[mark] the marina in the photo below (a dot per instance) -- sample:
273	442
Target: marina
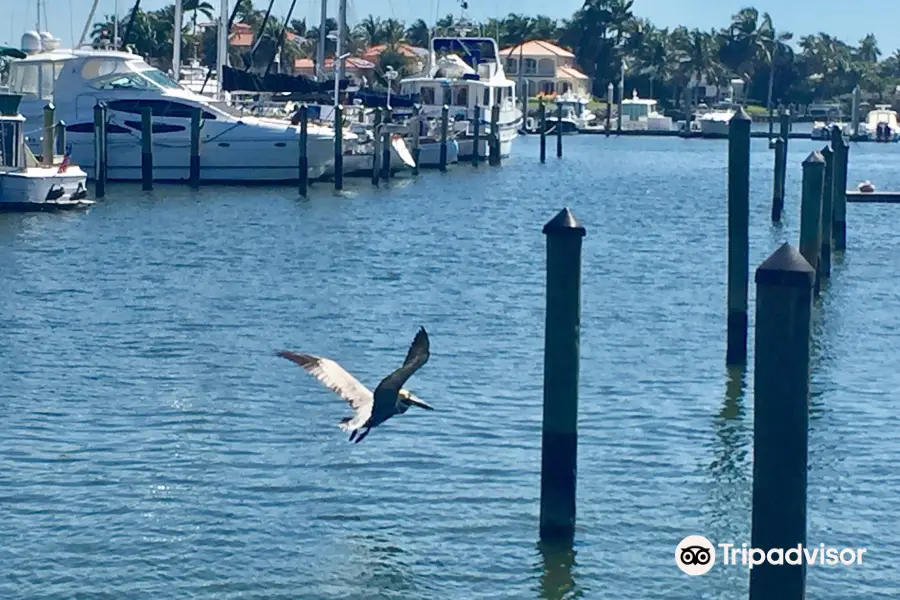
644	329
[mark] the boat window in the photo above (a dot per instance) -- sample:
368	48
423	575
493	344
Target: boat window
487	96
122	81
9	143
46	80
88	127
23	78
155	127
462	97
98	67
158	108
446	96
427	95
158	77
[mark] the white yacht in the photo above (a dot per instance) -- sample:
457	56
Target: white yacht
26	184
882	124
576	116
640	114
462	73
199	79
714	122
234	147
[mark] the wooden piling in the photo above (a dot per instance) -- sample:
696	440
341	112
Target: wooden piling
386	145
445	123
494	155
778	181
559	439
476	137
416	137
811	211
785	134
100	154
542	123
339	147
47	144
780	421
559	129
827	212
738	236
839	186
195	147
60	138
303	161
146	149
376	147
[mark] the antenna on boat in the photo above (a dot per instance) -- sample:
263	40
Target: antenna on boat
87	24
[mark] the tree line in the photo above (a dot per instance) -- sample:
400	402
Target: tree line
604	35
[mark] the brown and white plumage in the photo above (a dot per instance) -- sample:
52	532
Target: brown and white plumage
369	409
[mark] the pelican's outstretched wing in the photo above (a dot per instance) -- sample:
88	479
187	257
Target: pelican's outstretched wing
415	358
334	377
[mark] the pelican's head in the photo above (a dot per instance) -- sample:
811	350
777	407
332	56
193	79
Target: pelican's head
408	399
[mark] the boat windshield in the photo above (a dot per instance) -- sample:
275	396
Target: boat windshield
123	81
159	78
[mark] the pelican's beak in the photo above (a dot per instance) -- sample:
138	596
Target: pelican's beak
415	401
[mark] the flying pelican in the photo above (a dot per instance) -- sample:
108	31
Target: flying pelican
369	410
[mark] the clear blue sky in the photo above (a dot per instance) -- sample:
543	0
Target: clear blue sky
67	17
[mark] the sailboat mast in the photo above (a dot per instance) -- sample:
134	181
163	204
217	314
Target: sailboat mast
320	50
115	40
37	25
87	24
176	46
222	47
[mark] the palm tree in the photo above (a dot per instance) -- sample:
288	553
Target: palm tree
370	30
196	7
418	33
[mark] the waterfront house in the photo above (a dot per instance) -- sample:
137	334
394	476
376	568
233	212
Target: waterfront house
546	69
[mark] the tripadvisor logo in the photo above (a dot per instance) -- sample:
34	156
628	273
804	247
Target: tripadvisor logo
696	555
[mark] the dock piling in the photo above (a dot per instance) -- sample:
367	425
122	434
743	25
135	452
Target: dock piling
778	181
494	146
146	149
100	154
445	123
781	419
60	138
303	160
738	236
416	134
338	147
559	437
542	123
559	130
195	147
827	212
839	186
47	144
476	137
387	117
785	134
811	211
376	147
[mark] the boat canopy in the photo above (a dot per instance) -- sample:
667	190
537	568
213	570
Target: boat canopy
237	80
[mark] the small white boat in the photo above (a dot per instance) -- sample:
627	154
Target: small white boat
714	122
882	124
25	184
822	129
640	114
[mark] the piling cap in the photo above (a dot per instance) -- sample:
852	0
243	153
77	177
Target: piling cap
826	152
564	223
814	158
740	115
786	267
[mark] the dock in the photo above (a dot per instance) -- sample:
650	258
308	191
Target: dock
873	197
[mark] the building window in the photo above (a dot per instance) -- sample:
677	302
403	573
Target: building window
530	66
565	87
548	87
547	67
512	65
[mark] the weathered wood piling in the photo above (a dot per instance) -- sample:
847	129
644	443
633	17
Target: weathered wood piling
839	185
445	124
100	153
60	137
811	211
476	137
778	180
338	147
303	157
194	175
49	130
738	236
559	439
416	137
559	130
494	154
827	214
387	118
780	423
542	125
376	147
146	149
785	134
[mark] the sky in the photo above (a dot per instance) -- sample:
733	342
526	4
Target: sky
67	17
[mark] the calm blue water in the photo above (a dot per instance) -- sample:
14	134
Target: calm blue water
152	446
